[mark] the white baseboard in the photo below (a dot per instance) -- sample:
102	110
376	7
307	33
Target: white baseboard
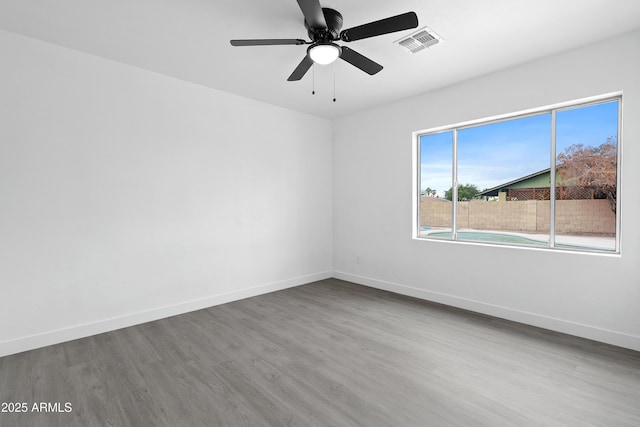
619	339
105	325
84	330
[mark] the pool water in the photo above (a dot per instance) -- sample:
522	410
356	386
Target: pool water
489	237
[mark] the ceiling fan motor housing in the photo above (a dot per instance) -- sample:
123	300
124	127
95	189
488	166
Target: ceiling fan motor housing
334	21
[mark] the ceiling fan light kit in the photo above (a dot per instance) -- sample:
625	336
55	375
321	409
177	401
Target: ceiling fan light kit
324	53
323	27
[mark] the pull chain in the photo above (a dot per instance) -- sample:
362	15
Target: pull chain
313	72
334	81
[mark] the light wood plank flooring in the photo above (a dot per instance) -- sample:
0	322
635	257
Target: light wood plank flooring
330	353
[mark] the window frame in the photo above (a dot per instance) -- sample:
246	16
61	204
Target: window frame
550	109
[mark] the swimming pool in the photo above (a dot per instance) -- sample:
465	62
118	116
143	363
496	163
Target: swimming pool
489	237
597	243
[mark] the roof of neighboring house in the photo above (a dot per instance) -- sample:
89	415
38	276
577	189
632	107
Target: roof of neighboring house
534	178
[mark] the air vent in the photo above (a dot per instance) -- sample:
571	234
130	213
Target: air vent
421	39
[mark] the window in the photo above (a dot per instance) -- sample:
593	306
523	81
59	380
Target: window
547	179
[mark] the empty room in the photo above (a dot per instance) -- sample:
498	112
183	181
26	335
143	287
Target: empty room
319	213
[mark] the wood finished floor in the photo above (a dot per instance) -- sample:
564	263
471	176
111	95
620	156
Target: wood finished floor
329	353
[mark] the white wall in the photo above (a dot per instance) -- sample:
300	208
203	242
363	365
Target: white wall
127	196
592	296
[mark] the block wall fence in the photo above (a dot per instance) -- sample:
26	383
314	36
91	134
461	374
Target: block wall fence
572	216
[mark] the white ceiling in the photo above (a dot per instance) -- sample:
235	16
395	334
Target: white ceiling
189	39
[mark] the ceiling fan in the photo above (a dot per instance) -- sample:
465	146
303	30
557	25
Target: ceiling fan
323	27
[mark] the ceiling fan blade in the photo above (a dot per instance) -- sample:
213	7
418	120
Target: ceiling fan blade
265	42
301	69
313	14
360	61
383	26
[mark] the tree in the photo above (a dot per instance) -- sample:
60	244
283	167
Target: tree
430	192
465	192
592	167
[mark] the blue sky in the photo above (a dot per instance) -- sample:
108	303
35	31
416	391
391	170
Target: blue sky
489	155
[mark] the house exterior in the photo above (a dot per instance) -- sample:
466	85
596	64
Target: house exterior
536	187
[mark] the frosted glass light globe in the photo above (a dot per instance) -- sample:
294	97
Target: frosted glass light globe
324	54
